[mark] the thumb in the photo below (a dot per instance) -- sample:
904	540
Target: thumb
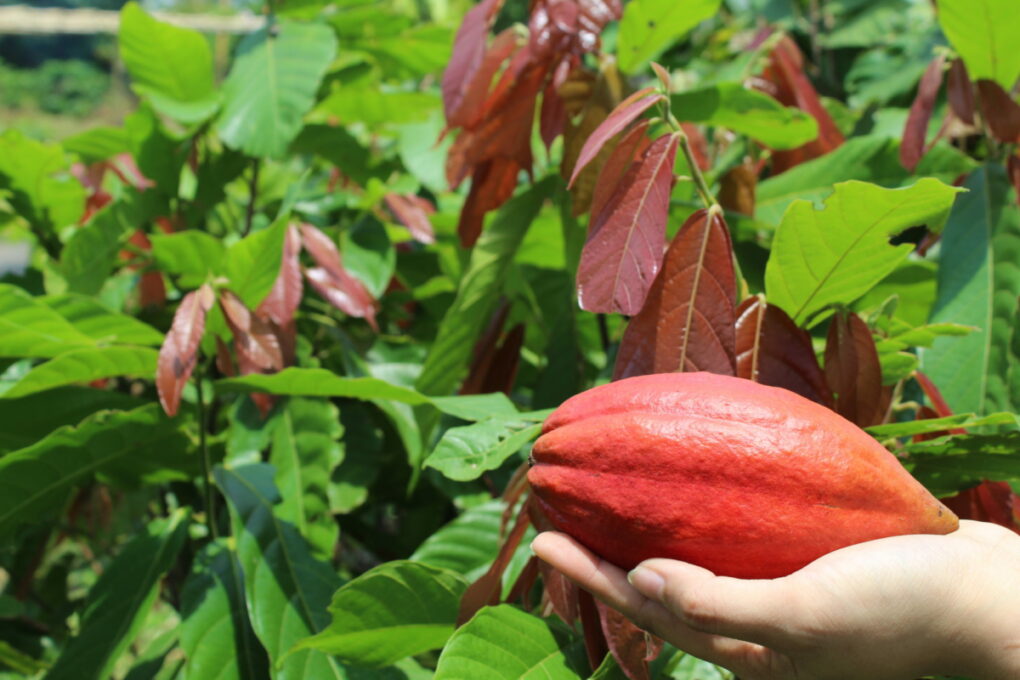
751	610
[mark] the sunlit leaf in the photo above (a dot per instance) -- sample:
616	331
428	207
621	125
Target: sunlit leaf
191	255
465	453
319	382
393	611
983	32
101	323
948	464
928	425
31	328
648	26
81	366
619	118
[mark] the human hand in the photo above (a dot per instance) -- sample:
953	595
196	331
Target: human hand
891	609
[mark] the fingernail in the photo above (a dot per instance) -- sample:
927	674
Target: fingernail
647	582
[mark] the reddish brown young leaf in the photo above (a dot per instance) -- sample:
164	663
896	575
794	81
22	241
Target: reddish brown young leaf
486	590
687	322
663	75
737	188
561	593
792	88
467	58
772	350
1000	111
591	624
151	288
471	107
622	116
344	292
988	502
631	146
492	185
960	92
553	115
1013	169
915	131
322	248
623	252
495	368
124	166
255	342
413	212
938	402
179	353
282	302
626	642
521	589
852	370
224	361
485	349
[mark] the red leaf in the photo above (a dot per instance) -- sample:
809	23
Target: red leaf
622	116
627	643
283	300
466	62
224	362
853	372
687	322
486	590
179	353
124	166
332	281
485	349
623	252
591	623
413	212
988	502
938	402
960	92
1001	113
663	76
793	88
1013	169
916	130
553	114
737	188
492	185
257	347
632	145
772	350
495	368
521	588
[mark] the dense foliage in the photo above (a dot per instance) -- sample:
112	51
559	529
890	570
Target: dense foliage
268	386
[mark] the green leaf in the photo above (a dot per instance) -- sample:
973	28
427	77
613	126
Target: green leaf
949	464
319	382
170	66
747	112
35	480
872	159
27	420
465	453
913	284
98	143
504	643
120	600
978	285
192	255
101	323
468	544
374	107
272	85
305	451
92	250
479	289
84	366
928	425
391	612
838	253
30	328
985	33
45	193
287	589
253	263
369	255
648	26
477	407
418	51
362	461
216	636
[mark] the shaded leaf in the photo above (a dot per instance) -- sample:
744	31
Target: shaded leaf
216	637
505	643
393	611
468	65
466	545
118	603
687	322
737	187
1001	112
82	366
648	26
487	589
42	189
978	286
623	115
836	254
913	146
91	252
192	255
627	643
988	502
949	464
179	353
852	371
286	587
26	420
960	92
272	84
772	350
746	112
623	252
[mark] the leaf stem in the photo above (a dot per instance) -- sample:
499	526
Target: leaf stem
210	499
699	179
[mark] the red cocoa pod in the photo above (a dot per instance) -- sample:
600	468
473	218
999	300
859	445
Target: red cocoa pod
740	478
